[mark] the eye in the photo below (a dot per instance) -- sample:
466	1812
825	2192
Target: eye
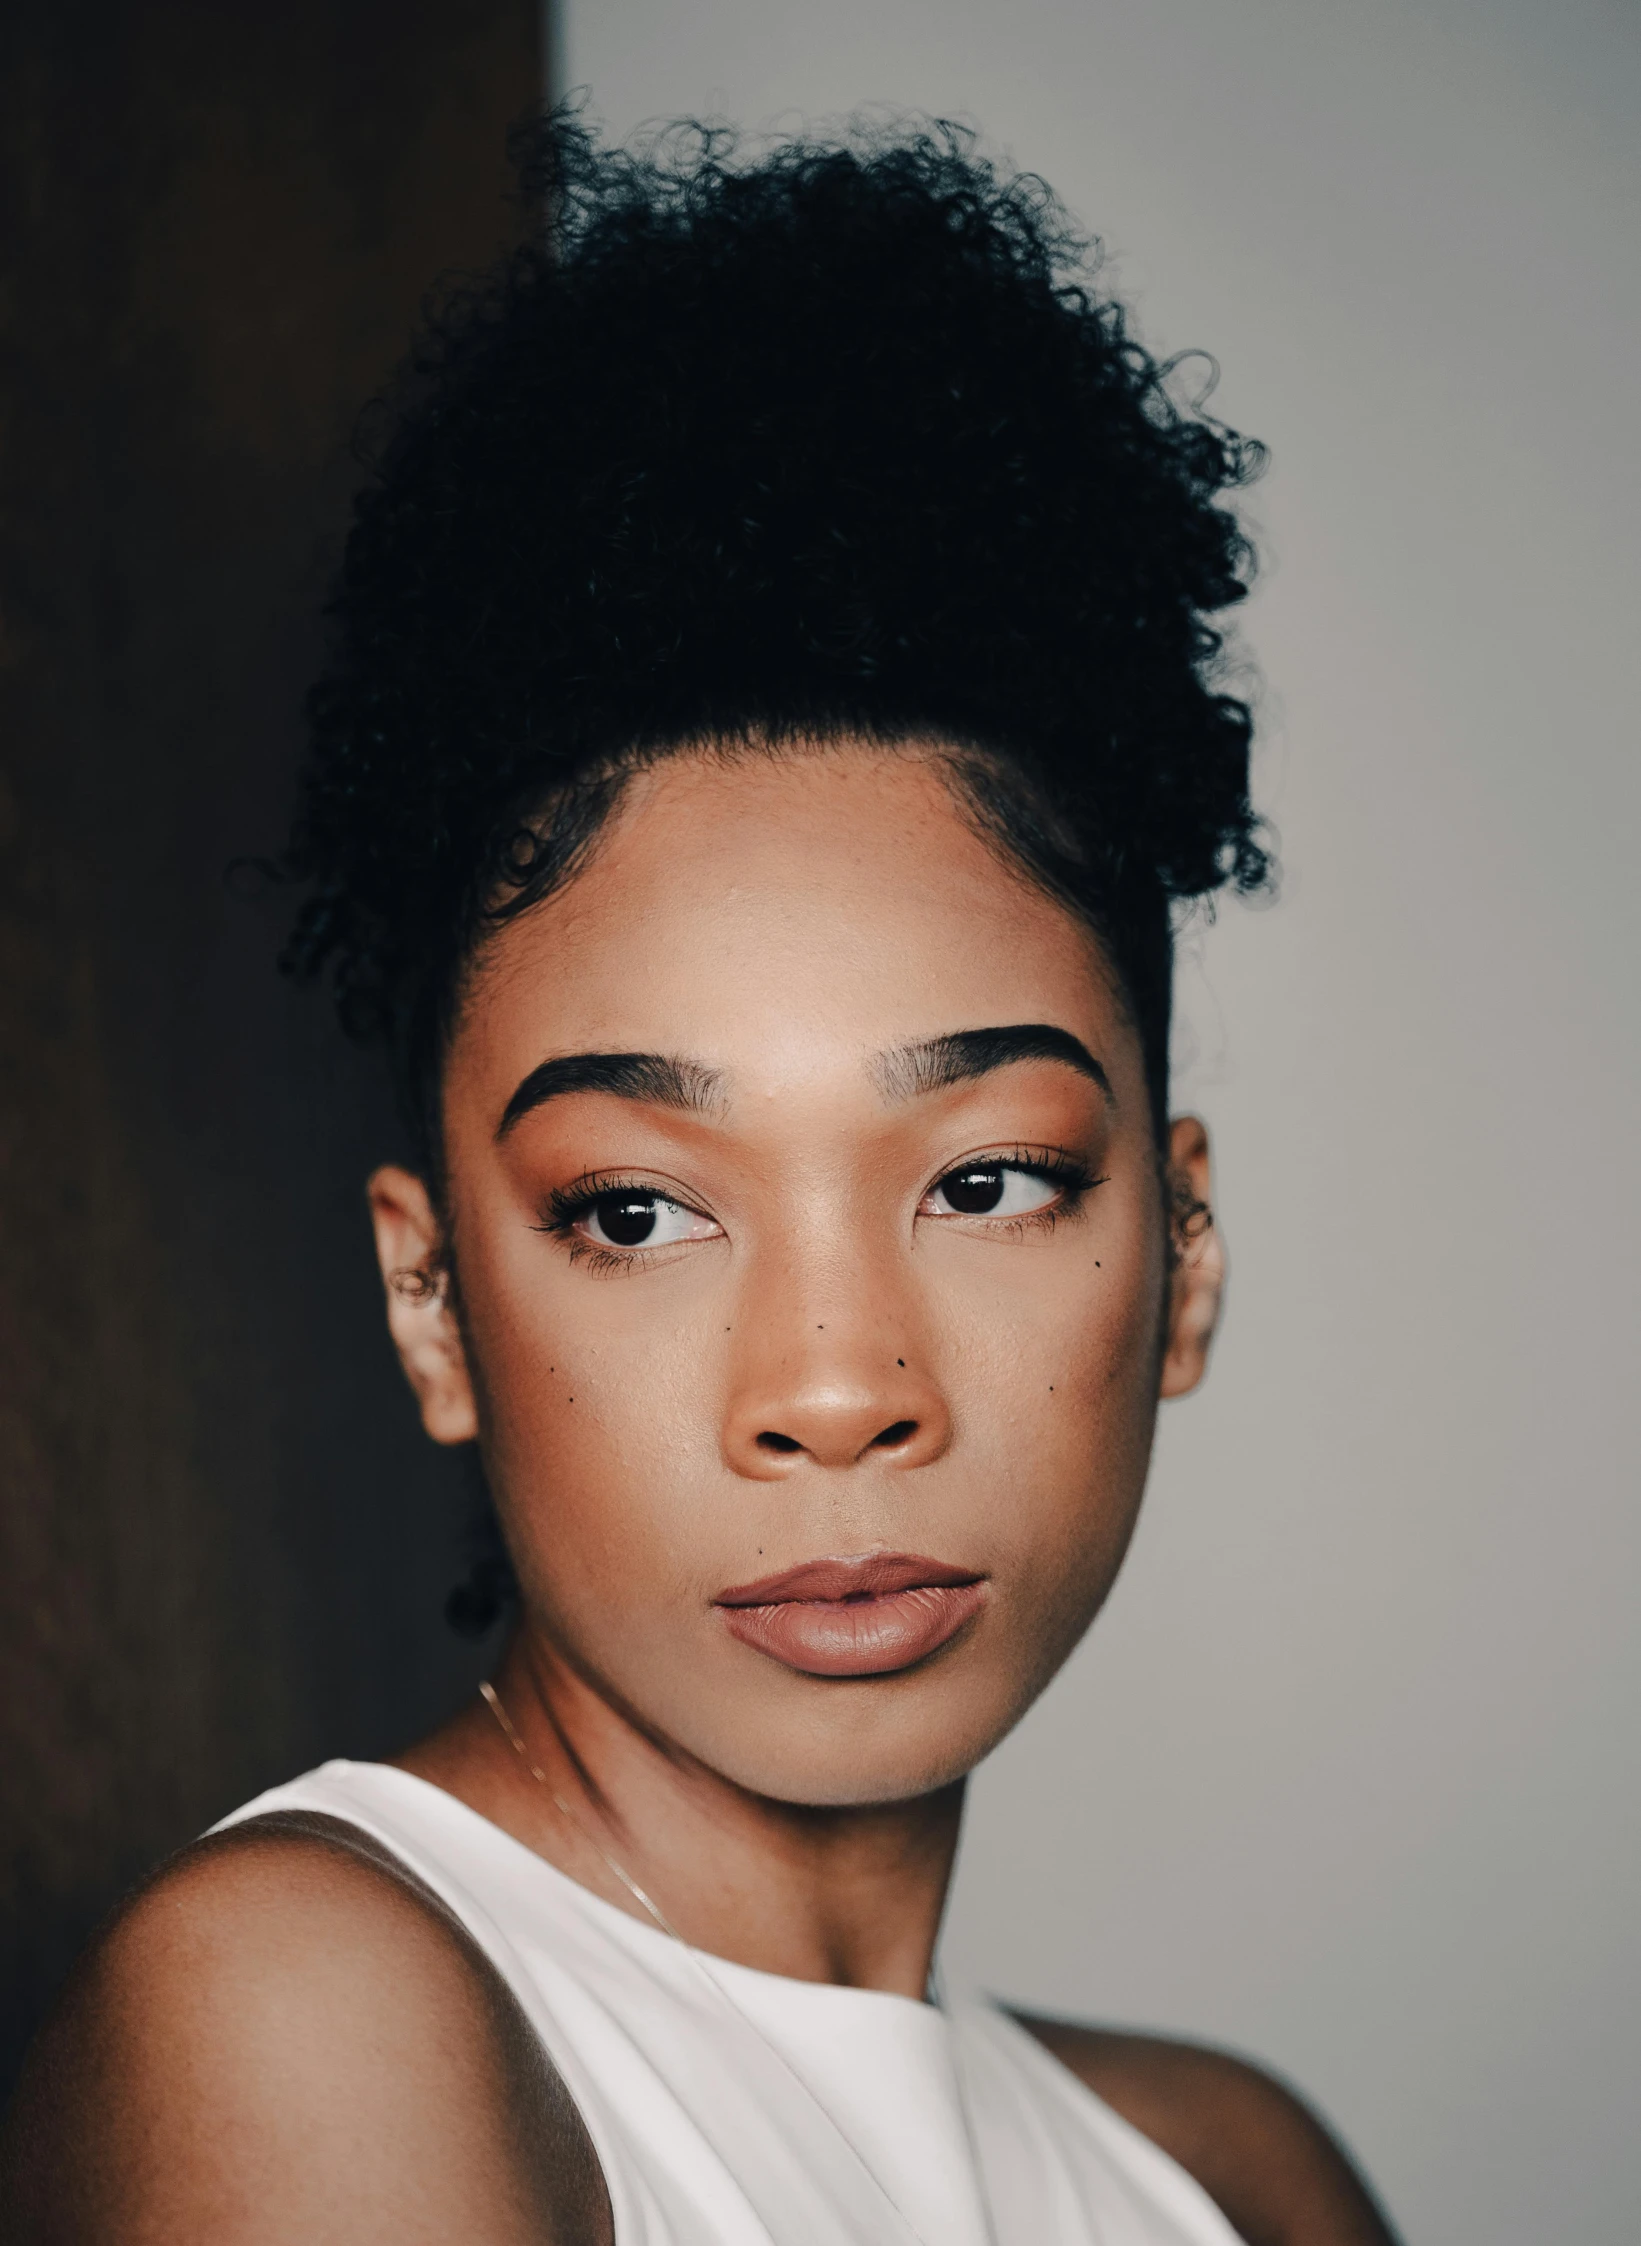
628	1217
993	1189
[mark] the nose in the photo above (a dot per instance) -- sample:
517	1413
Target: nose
830	1387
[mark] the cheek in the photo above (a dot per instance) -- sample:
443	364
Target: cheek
599	1432
1060	1406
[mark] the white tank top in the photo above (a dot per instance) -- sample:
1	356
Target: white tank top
730	2107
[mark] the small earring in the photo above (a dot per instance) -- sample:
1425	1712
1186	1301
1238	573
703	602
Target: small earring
1193	1218
413	1285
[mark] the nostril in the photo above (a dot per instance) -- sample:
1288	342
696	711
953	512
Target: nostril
902	1431
770	1441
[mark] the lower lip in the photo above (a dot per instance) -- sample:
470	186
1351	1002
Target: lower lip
863	1637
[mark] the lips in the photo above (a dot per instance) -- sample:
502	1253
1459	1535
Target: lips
861	1617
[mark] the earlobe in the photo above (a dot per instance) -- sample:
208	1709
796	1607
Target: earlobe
409	1247
1197	1280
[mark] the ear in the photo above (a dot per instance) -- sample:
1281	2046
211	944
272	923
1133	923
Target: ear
1197	1281
410	1249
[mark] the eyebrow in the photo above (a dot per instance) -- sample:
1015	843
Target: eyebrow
935	1063
662	1079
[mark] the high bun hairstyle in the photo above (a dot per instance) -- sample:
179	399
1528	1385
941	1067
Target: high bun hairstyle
760	447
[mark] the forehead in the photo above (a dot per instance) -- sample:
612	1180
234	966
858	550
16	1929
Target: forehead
773	914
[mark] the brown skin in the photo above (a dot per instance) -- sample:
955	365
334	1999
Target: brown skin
214	2071
825	1360
1258	2151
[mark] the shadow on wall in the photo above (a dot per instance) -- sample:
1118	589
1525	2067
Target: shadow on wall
224	1545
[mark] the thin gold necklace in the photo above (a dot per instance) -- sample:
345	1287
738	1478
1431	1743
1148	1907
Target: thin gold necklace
493	1701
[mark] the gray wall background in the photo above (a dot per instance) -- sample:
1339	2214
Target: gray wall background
1347	1774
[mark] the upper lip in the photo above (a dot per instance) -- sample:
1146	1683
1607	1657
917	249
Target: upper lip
861	1575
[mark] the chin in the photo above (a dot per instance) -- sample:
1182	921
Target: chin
864	1746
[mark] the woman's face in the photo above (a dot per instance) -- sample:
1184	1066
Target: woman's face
805	1211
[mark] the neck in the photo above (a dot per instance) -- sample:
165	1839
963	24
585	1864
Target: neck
847	1895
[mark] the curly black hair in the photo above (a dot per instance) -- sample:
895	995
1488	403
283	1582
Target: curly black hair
835	439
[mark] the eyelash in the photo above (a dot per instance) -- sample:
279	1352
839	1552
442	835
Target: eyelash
567	1205
1073	1177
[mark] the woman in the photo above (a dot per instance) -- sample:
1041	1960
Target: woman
772	719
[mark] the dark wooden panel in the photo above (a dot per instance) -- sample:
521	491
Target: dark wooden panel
223	1544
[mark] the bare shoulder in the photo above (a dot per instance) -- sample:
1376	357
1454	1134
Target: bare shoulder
1268	2163
284	2036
